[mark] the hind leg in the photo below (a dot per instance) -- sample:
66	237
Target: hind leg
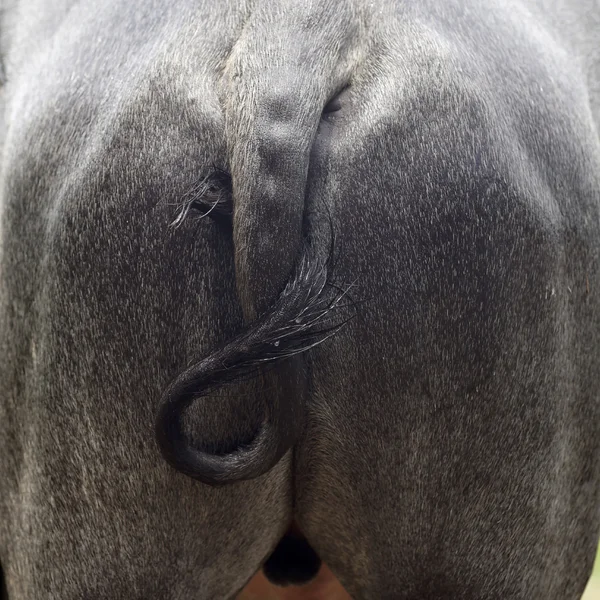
444	499
452	453
88	507
96	513
453	448
140	531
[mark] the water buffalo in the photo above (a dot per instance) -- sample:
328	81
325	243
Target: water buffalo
329	263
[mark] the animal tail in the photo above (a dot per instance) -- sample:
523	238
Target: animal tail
272	116
304	315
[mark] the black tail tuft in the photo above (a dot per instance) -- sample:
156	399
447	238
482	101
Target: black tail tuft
308	311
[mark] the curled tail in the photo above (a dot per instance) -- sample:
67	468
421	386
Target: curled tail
278	86
302	317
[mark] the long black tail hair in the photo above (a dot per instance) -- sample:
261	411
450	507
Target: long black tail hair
305	314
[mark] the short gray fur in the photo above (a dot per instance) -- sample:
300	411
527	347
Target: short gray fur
450	448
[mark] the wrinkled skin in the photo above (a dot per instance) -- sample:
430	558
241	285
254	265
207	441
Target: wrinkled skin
450	447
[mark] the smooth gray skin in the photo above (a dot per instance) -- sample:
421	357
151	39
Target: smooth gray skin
451	448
